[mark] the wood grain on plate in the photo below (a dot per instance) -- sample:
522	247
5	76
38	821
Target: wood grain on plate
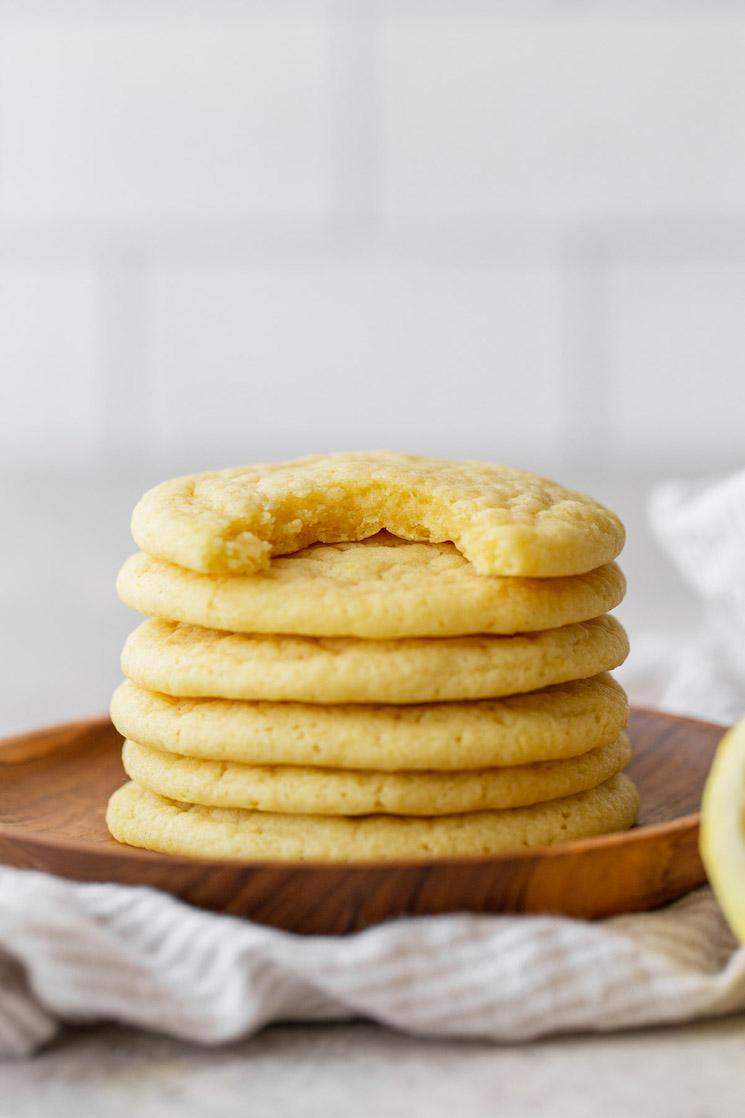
56	782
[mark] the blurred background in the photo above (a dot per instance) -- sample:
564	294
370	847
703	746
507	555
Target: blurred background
237	230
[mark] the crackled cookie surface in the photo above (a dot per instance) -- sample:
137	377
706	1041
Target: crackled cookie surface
380	587
189	661
557	722
143	818
505	521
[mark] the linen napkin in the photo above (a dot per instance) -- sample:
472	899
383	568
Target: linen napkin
82	953
701	526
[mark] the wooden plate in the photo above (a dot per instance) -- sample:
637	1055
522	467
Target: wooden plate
55	784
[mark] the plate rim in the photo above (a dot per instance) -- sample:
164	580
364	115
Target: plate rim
682	825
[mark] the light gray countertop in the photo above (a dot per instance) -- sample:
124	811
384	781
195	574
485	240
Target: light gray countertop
695	1071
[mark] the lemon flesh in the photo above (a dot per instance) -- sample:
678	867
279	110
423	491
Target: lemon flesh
723	827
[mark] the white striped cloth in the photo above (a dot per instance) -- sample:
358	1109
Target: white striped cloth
83	953
702	528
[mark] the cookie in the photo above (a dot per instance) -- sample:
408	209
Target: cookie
142	818
383	587
558	722
505	521
189	661
313	791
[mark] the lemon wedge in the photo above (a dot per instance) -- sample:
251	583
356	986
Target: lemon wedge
723	827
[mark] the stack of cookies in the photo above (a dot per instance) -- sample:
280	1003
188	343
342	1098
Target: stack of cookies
371	656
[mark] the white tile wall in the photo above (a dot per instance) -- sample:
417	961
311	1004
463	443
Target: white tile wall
573	119
151	119
256	361
51	406
494	228
677	372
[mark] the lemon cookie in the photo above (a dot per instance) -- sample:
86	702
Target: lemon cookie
381	587
506	521
143	818
188	661
561	721
312	791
